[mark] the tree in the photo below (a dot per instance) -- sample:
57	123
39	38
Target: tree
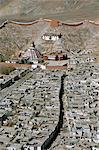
6	69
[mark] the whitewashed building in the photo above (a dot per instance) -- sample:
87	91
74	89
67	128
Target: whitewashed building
51	37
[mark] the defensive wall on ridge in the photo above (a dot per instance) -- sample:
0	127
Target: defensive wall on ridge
59	23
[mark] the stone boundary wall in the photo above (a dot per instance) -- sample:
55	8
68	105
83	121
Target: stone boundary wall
47	144
75	24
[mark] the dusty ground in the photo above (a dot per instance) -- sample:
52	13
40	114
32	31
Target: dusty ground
15	38
68	10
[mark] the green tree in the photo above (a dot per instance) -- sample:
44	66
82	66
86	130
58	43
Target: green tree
6	69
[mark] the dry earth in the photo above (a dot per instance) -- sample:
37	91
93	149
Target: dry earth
68	10
15	38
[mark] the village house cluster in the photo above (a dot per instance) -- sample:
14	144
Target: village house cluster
29	110
7	80
81	110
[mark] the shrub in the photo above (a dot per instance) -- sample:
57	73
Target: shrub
6	69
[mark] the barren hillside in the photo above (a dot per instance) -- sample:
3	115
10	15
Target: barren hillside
69	10
14	38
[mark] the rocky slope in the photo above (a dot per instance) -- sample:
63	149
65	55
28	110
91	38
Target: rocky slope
15	38
70	10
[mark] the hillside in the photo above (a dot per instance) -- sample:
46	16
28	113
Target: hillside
16	38
68	10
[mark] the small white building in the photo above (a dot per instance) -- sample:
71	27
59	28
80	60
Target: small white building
43	67
30	147
51	37
95	148
14	147
34	66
